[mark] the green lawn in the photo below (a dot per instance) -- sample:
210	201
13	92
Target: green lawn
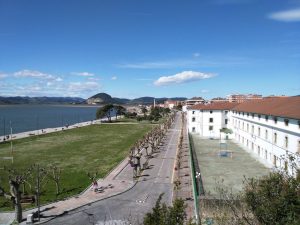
77	151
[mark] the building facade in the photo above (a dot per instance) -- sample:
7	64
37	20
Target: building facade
269	128
239	98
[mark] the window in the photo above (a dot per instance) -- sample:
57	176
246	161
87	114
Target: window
243	113
286	122
226	121
298	146
193	119
286	142
266	154
252	129
211	120
210	111
243	126
259	116
275	119
275	160
299	123
258	132
193	129
211	128
266	134
247	127
252	115
226	112
275	138
247	114
193	112
266	117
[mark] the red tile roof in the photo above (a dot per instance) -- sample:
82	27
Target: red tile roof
288	107
215	106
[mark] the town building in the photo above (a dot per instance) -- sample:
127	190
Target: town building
242	98
194	101
218	99
191	102
269	128
171	104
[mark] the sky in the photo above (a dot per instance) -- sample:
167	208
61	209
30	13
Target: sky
159	48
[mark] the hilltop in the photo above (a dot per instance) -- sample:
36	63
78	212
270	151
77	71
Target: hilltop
104	98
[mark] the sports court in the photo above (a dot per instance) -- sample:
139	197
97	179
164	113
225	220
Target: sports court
227	164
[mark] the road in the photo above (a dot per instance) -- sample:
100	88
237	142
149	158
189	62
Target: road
131	206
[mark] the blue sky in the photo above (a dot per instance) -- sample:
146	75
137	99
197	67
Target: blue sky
158	48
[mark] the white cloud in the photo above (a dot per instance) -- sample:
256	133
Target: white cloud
3	75
79	87
292	15
34	74
83	74
183	77
114	77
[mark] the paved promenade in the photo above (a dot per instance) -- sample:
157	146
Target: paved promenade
123	198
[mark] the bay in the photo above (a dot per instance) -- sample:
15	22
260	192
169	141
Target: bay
32	117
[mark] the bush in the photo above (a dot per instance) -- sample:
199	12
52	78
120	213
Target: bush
162	214
275	199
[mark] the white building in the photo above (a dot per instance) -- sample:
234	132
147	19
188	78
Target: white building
270	128
207	120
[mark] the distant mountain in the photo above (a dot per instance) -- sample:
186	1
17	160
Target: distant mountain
40	100
103	98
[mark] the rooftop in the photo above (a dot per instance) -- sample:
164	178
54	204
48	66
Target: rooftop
215	106
282	107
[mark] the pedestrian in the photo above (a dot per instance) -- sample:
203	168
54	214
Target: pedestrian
95	185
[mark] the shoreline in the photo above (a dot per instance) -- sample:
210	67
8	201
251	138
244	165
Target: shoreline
33	133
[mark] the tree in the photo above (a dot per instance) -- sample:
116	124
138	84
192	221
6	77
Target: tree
274	199
144	111
16	178
38	179
155	113
179	107
105	111
120	110
54	175
162	214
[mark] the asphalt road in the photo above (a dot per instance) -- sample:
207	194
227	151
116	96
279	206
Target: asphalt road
131	206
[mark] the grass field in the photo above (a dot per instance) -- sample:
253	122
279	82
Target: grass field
88	149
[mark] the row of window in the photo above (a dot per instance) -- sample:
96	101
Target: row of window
275	118
210	128
211	120
264	152
260	151
266	136
193	112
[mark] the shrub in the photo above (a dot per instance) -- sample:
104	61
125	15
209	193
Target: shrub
274	199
